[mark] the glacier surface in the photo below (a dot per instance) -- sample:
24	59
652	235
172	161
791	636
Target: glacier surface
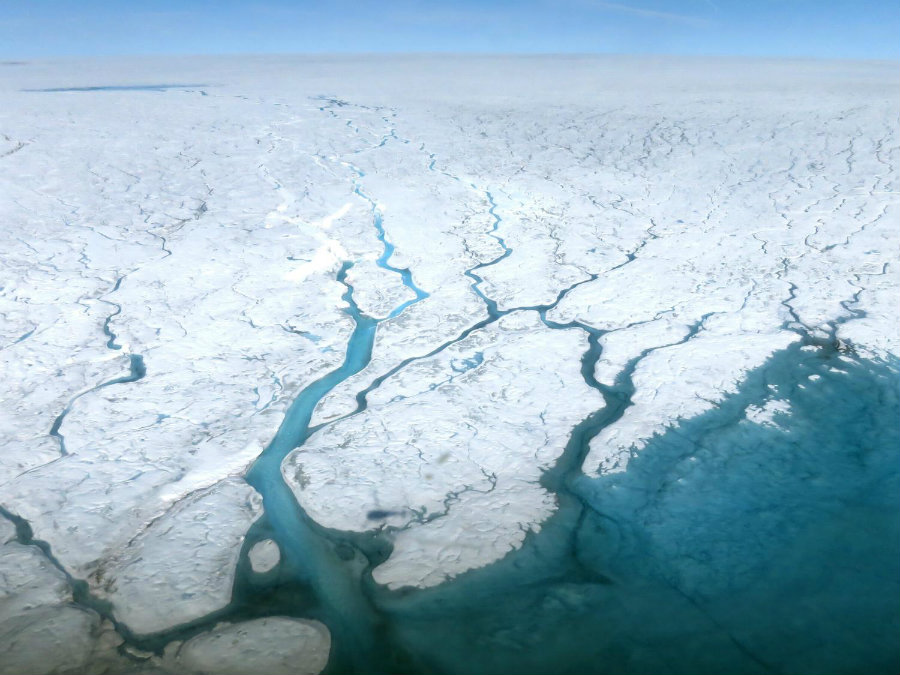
449	364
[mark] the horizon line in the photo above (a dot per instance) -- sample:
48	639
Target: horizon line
19	60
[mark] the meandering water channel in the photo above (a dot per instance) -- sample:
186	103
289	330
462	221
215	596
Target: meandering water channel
726	546
645	571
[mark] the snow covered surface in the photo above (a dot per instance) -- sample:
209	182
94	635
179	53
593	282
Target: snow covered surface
264	556
39	628
274	646
452	453
151	589
168	286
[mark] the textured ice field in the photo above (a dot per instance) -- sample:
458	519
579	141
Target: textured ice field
463	365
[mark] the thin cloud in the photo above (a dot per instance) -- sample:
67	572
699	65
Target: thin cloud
425	13
687	19
444	16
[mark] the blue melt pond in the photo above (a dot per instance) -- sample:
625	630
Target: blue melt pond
728	545
123	87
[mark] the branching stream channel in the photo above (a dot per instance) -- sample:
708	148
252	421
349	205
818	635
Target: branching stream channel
595	590
725	547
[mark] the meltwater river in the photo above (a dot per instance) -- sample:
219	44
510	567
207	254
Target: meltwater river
726	546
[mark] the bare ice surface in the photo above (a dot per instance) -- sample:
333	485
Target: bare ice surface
404	364
264	556
274	646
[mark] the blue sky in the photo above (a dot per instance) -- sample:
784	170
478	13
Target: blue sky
795	28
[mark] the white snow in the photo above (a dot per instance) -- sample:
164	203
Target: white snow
720	206
271	646
453	457
768	414
40	630
264	556
151	589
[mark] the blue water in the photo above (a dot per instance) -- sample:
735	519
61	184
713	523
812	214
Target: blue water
111	342
136	370
121	87
404	272
307	557
725	547
388	248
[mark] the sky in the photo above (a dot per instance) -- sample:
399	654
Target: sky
861	29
